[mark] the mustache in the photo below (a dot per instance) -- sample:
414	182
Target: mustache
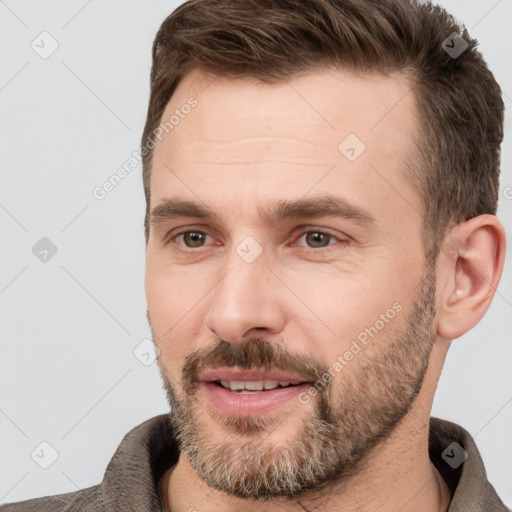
255	354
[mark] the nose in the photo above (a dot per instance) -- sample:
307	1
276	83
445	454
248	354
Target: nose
247	301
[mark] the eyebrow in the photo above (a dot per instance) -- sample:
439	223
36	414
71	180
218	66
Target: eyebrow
277	211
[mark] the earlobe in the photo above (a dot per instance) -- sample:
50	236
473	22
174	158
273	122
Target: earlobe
470	264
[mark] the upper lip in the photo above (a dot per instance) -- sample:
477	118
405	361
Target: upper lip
242	375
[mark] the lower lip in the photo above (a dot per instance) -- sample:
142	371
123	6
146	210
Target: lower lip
248	405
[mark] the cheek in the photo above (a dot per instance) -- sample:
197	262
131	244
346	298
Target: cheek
334	309
171	292
173	303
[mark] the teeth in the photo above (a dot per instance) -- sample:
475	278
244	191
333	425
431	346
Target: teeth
254	386
250	386
236	386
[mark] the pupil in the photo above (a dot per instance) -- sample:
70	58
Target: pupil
317	239
194	239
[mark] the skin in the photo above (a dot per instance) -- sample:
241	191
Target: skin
247	143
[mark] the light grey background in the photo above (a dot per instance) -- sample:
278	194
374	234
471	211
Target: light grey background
68	374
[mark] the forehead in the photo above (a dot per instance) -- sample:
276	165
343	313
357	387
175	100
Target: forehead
254	139
332	101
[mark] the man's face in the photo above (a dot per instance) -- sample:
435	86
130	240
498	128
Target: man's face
301	270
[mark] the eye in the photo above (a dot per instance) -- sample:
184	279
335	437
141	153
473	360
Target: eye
318	239
191	239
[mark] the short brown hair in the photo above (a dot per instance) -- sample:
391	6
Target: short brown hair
460	105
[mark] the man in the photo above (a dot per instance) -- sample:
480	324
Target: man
321	181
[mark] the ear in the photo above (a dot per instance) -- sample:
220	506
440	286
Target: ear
469	268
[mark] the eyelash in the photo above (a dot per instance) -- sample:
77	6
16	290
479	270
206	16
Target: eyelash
301	234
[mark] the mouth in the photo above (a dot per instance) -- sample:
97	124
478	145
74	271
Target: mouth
249	393
251	387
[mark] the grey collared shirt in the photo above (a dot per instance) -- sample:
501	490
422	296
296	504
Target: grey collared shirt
131	479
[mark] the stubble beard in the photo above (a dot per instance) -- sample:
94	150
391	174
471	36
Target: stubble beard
350	416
